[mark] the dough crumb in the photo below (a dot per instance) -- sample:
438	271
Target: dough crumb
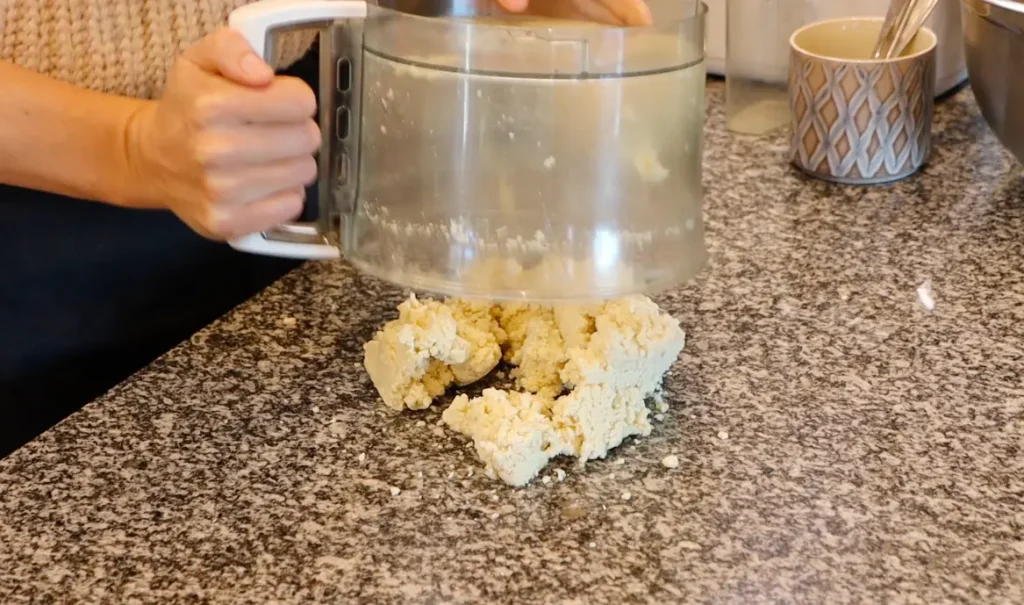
545	480
723	435
559	474
619	461
421	423
670	461
924	294
362	457
627	496
395	491
650	167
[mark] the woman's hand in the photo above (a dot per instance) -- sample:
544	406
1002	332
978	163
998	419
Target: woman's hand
613	12
229	146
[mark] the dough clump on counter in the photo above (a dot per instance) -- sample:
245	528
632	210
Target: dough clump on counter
512	432
584	374
431	345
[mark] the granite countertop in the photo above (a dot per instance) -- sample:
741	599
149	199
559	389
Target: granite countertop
838	442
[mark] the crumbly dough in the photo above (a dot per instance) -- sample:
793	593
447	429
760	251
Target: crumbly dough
584	374
431	345
535	347
475	322
593	419
631	346
512	432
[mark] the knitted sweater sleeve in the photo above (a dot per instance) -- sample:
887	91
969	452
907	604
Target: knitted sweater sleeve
124	47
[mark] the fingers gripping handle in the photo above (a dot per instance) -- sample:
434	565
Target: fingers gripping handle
255	22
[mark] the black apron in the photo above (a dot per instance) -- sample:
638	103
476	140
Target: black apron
90	293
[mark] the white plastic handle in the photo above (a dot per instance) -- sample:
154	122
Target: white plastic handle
257	243
255	21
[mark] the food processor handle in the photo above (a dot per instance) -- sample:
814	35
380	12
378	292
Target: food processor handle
255	22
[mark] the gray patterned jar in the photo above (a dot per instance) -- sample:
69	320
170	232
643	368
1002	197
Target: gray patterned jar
856	120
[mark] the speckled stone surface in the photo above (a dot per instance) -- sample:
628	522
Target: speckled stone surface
838	442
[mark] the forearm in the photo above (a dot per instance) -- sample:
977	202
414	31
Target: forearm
63	139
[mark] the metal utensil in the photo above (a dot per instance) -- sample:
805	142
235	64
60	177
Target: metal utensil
902	21
887	35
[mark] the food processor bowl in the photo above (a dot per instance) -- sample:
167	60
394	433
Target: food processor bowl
482	155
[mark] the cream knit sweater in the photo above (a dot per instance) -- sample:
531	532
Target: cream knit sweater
124	47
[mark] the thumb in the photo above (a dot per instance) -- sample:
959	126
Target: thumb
632	12
514	6
226	52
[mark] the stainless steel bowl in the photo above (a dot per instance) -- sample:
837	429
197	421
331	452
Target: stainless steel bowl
994	47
